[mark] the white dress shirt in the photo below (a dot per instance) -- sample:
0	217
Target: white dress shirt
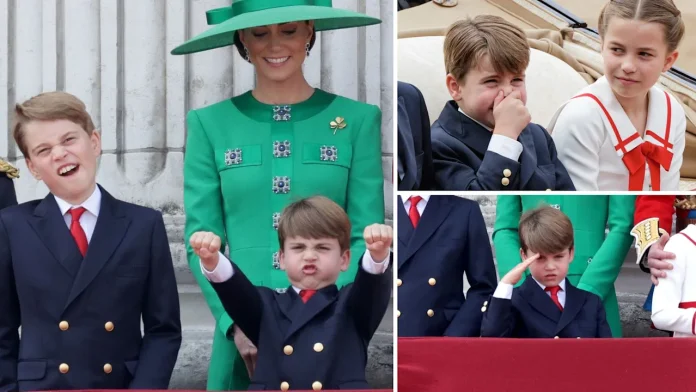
88	220
224	270
421	204
504	291
499	144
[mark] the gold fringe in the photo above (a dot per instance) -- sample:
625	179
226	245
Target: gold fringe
9	170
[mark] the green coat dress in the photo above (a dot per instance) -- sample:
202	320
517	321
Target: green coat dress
245	161
598	255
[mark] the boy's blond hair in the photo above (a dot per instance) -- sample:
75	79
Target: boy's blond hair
545	230
468	41
315	217
51	106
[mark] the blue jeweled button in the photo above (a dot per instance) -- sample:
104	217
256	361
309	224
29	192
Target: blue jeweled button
281	184
282	113
328	153
281	149
276	260
233	157
276	220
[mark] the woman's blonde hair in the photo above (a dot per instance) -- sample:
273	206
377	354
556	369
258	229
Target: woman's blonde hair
663	12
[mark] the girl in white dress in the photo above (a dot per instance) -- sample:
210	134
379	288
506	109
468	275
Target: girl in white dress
623	133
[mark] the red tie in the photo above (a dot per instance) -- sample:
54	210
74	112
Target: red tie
554	296
413	211
76	229
306	295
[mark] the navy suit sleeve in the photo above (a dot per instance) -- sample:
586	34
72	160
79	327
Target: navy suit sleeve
499	319
242	301
563	181
428	173
161	317
603	330
368	299
454	172
8	197
480	272
9	317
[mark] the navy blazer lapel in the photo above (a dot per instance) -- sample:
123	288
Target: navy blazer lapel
405	229
51	229
575	299
436	211
307	311
528	158
539	300
407	151
111	227
464	129
289	303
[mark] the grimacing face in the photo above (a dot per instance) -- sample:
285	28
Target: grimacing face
278	51
313	263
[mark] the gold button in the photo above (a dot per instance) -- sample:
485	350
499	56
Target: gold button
109	326
507	173
316	386
485	303
318	347
548	190
398	313
108	368
556	337
430	313
398	282
63	368
578	337
63	325
284	386
505	182
483	309
288	350
432	281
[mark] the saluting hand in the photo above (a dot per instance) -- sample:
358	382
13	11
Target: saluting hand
515	274
206	245
378	239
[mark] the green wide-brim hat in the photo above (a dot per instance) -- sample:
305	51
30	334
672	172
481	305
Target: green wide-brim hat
244	14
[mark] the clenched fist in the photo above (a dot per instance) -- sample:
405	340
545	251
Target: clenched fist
510	114
206	245
515	274
378	239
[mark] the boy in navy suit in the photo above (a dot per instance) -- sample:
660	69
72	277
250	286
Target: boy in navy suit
483	139
311	336
546	306
80	269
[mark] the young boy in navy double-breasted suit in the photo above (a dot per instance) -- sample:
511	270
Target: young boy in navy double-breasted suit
80	269
546	306
311	336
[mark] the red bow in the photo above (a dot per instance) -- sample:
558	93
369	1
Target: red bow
635	160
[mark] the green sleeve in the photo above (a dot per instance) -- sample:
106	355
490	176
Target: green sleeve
506	240
600	274
203	207
365	199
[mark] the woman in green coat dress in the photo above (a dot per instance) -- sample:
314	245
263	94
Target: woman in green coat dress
249	156
598	255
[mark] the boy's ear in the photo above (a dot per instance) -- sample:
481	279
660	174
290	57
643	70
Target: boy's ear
32	169
571	254
281	255
453	87
345	260
95	139
523	254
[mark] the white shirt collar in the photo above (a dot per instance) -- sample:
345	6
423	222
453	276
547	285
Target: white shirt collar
474	120
406	199
92	204
562	284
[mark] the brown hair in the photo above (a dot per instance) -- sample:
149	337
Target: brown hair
467	41
545	230
663	12
51	106
240	46
315	217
